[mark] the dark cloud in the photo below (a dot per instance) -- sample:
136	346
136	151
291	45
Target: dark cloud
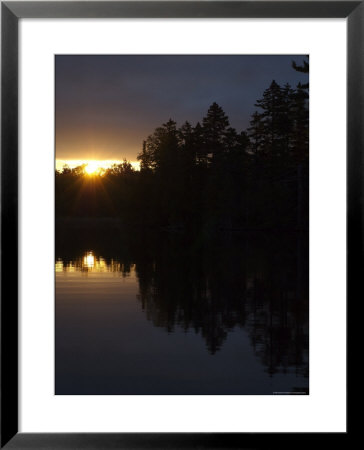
107	104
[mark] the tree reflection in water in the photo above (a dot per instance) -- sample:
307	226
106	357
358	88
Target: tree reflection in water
212	285
237	282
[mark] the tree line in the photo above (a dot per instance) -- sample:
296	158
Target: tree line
208	175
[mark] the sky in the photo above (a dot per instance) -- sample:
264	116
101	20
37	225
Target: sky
106	105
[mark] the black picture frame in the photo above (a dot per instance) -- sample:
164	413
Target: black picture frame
11	12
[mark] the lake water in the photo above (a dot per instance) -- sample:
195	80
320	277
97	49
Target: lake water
168	314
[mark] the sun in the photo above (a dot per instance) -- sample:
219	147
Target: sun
92	168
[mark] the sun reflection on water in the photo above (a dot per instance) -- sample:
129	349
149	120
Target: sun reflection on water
89	262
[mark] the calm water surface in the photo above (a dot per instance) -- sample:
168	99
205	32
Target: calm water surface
175	315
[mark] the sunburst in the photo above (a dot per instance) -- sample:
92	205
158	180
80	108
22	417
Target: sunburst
92	168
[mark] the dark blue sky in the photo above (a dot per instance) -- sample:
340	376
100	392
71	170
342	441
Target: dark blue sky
107	104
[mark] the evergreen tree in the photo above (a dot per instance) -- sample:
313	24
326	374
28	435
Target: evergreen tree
304	68
271	106
270	132
201	155
160	150
215	126
300	124
256	134
145	158
187	145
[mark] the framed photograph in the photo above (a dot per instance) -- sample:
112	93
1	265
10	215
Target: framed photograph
181	221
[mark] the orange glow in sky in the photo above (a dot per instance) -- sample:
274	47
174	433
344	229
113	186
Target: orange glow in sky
93	166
